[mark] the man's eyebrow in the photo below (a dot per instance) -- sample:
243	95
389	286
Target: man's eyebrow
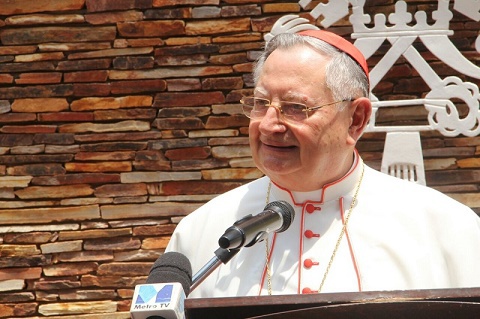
295	97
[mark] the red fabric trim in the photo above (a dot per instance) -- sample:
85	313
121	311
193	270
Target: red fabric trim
262	282
302	229
350	247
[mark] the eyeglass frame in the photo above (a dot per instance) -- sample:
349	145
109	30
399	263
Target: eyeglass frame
305	109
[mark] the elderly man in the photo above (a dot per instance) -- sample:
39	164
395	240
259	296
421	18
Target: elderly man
355	229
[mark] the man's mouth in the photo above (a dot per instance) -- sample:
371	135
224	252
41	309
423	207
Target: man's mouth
279	146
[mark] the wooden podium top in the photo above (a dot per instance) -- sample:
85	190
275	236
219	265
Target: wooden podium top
408	304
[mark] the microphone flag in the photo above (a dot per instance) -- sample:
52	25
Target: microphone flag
165	300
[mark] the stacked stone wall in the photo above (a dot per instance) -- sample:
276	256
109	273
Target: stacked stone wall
119	117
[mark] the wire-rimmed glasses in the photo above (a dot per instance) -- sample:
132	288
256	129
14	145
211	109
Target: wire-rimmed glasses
256	108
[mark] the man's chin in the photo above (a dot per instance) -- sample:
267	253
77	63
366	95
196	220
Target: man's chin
277	169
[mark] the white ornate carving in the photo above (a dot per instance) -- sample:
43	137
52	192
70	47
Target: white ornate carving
398	30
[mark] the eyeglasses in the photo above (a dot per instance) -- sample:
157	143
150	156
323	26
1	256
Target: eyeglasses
256	108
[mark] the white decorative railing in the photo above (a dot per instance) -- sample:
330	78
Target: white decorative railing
397	29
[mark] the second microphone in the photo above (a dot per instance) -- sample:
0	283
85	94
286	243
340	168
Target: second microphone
276	217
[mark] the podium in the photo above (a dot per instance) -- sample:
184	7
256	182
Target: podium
408	304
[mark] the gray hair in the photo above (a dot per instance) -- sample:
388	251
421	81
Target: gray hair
344	77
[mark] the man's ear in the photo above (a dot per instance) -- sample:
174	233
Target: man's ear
360	111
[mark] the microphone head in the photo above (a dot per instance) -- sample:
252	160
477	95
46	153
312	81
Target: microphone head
172	267
284	209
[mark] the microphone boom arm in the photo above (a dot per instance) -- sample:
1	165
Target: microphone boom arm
221	256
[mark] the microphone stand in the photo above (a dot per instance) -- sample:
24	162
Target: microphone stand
221	256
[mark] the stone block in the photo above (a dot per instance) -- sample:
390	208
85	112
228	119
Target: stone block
129	87
28	238
177	143
39	78
120	166
88	104
22	309
176	85
152	165
132	62
188	153
160	28
287	8
32	6
212	134
15	181
54	191
94	233
116	282
166	72
91	64
19	250
178	123
241	10
14	297
121	190
192	59
222	122
184	112
48	215
124	268
70	269
11	285
110	53
35	158
59	247
199	164
129	125
65	117
21	36
83	256
155	243
157	230
146	210
217	26
81	178
188	99
113	244
28	129
113	17
164	14
20	273
75	308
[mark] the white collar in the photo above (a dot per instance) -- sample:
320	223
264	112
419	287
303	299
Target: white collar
331	191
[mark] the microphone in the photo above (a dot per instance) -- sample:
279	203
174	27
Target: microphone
276	216
163	295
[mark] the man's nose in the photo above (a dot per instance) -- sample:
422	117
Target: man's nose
273	120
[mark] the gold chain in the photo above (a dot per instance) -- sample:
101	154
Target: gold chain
337	245
269	275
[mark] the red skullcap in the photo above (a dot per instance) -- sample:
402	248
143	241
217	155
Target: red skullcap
341	44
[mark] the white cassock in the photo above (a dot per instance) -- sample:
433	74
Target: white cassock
399	236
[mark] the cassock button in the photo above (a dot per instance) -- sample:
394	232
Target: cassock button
310	208
308	263
310	234
307	290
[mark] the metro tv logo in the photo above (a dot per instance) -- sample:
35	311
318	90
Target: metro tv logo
147	293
